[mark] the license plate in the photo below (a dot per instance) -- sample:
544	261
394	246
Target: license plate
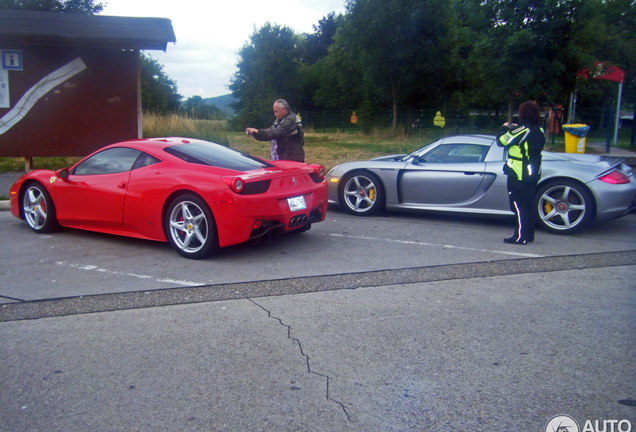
296	203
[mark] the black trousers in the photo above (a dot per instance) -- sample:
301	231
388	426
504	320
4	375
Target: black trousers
521	195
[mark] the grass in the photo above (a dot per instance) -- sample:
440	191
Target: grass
8	164
174	125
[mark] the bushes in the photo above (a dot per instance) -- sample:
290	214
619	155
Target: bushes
167	125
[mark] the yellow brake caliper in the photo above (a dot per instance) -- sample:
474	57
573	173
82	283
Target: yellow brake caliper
372	194
547	207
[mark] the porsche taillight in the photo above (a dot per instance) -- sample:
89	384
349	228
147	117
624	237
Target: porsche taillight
615	177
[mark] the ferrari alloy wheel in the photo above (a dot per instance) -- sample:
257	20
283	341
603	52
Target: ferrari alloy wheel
190	226
38	208
563	206
361	193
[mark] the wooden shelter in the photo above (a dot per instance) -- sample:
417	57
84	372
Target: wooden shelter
70	84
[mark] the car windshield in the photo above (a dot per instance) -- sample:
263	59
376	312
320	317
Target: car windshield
216	155
416	152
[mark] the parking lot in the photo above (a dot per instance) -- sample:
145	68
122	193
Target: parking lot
397	322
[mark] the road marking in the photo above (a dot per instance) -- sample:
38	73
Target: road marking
445	246
90	267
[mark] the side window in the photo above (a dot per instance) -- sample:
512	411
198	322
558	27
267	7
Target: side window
113	160
144	160
456	153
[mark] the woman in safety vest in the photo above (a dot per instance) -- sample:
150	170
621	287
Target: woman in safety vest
523	167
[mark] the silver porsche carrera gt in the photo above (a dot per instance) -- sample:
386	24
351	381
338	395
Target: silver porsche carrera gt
464	174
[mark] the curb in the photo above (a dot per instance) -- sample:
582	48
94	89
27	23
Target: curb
5	205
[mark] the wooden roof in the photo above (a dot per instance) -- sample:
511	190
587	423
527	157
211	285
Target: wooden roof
48	28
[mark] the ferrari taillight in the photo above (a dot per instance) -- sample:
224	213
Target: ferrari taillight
237	184
321	171
318	173
615	177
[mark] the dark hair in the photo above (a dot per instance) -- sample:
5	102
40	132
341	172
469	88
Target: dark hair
529	113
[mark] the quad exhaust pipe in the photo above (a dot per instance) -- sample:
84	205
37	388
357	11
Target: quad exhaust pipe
298	221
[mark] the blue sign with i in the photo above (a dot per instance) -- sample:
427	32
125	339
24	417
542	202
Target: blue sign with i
12	59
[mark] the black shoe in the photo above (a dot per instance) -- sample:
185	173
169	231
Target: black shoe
514	240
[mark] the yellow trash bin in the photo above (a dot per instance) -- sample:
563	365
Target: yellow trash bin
575	137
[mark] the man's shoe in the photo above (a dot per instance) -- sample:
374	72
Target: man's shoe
513	240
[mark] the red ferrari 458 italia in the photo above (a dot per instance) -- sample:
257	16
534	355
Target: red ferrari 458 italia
195	194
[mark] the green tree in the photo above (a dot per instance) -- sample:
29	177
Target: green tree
607	33
398	51
158	91
197	107
316	48
85	7
317	43
528	50
268	69
340	77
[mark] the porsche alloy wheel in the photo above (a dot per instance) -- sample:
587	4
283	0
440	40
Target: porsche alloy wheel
191	229
361	193
38	209
564	207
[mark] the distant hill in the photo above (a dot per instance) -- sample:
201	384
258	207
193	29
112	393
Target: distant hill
222	103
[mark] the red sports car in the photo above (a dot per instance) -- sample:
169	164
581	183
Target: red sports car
195	194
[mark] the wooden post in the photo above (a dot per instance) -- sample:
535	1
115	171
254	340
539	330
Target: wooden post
28	163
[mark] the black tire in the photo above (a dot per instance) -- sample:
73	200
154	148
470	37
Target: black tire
38	209
361	193
563	206
190	227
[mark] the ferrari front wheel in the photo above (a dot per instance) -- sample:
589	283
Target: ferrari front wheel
190	227
38	209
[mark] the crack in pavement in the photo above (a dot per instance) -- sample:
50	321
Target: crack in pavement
307	359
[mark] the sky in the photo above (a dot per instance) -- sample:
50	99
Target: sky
211	33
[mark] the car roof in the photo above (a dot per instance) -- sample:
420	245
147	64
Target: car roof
472	138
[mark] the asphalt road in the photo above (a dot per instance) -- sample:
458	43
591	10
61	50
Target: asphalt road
392	323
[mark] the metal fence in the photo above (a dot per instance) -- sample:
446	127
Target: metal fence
453	120
412	120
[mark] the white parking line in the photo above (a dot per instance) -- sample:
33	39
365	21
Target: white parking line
445	246
90	267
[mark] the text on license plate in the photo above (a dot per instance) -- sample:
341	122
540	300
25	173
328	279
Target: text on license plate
296	203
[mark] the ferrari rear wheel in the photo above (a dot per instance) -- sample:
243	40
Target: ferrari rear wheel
190	227
564	206
361	193
38	208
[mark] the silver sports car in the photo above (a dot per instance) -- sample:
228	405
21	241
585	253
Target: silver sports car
464	174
